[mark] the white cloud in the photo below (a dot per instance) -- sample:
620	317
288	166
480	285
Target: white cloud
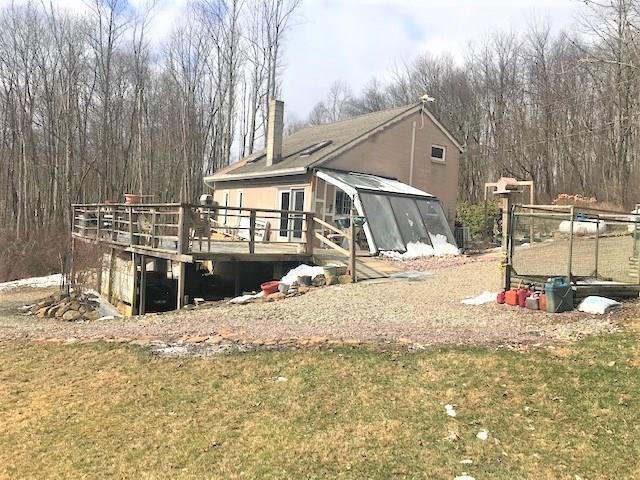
356	40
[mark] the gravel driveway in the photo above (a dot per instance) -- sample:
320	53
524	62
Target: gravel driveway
425	312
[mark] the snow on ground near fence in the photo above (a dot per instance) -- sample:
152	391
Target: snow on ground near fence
484	297
35	282
416	250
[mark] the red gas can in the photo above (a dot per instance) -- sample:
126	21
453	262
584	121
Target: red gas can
500	298
511	297
523	294
542	302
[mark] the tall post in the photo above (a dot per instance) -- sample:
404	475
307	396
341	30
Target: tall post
570	262
98	222
181	285
507	236
142	305
183	229
252	230
308	218
73	218
597	255
352	249
132	229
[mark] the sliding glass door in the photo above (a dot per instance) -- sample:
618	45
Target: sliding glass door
291	224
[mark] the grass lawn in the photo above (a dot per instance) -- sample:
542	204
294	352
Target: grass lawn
104	410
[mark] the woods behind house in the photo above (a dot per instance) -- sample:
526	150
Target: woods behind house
93	105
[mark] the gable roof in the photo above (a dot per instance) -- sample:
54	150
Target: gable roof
337	137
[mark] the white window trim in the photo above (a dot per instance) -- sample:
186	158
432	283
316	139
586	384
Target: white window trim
444	154
291	190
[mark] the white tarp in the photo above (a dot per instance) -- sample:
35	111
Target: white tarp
583	227
598	305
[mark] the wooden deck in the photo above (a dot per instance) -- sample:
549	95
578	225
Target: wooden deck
189	233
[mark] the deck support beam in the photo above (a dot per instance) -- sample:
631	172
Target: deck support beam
181	285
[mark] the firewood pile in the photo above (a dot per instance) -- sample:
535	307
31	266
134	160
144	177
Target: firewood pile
77	306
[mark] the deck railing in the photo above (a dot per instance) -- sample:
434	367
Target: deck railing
194	229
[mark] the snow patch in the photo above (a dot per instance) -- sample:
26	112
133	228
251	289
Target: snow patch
246	298
299	271
418	249
34	282
484	297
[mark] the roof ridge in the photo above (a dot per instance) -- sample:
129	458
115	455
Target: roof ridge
358	117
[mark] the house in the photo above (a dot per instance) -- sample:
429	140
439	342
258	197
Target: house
382	164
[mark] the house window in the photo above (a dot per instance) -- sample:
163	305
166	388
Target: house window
343	203
438	153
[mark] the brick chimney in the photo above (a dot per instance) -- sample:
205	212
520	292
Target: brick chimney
275	128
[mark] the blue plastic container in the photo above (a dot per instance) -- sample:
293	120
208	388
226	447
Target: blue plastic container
559	295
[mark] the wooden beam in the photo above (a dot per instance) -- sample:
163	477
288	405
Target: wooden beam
333	245
143	285
181	286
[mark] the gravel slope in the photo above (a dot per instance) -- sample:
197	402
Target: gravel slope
425	312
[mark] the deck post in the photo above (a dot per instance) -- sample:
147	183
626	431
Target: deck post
73	218
308	218
236	273
252	230
181	284
153	228
183	230
132	229
352	249
98	221
142	309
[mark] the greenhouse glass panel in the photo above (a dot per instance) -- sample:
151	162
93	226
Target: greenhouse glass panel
381	222
434	219
409	220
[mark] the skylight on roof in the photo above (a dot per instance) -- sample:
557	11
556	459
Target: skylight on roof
314	148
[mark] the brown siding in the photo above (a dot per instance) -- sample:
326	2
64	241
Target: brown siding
388	154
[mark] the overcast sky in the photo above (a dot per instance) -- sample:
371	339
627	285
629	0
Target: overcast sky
355	40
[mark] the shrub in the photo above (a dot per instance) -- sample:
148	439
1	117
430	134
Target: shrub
472	215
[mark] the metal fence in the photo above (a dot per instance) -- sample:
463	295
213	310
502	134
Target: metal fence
579	243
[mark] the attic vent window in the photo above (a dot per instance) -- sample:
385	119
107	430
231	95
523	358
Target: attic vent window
314	148
438	153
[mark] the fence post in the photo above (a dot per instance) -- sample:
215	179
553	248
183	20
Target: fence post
597	244
252	230
507	238
308	218
570	263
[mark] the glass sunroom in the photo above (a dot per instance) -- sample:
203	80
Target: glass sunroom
397	214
